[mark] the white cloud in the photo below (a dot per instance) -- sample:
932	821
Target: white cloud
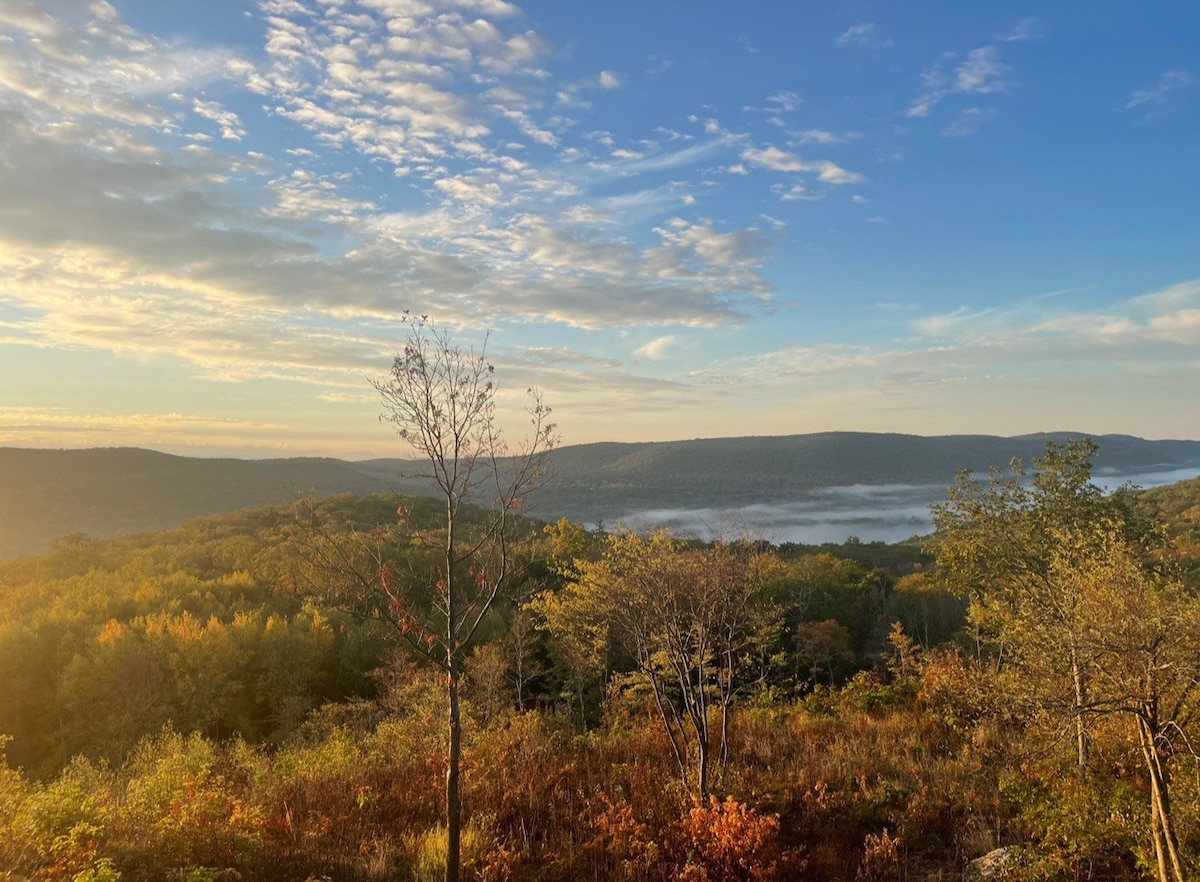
305	196
227	120
826	138
794	193
1158	94
777	106
572	95
1170	316
981	72
682	158
774	159
1025	29
656	349
864	36
785	101
968	121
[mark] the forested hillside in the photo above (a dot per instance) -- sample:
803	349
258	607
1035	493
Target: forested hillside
106	492
1178	505
606	481
48	494
199	702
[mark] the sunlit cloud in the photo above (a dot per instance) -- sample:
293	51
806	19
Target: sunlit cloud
260	213
656	349
774	159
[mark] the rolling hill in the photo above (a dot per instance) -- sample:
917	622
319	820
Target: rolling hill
45	494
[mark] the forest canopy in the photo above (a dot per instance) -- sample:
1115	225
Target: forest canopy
179	702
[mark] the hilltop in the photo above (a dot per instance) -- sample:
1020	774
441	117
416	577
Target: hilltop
107	492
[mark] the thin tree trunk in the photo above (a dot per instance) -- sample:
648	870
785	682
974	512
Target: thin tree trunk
520	682
727	692
1162	794
1167	815
1166	844
453	802
724	757
1160	852
1081	735
680	752
703	736
454	711
1156	826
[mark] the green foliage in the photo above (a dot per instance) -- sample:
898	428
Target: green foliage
1080	596
103	492
912	755
683	618
1177	507
102	643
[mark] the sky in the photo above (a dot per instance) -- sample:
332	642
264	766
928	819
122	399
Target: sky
676	219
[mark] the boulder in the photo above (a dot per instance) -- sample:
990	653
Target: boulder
991	866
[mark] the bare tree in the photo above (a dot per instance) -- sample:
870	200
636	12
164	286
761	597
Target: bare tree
435	586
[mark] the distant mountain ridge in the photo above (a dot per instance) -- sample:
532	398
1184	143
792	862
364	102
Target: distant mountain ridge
45	494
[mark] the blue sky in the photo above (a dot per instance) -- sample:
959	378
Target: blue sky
678	219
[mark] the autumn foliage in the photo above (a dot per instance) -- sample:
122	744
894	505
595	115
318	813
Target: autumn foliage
174	709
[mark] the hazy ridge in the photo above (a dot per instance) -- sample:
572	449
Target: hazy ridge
45	494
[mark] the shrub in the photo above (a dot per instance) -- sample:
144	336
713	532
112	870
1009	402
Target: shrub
730	842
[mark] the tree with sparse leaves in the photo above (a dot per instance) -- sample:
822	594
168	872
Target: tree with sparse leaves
685	617
1082	601
436	587
997	544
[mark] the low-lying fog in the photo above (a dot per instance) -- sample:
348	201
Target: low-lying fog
878	512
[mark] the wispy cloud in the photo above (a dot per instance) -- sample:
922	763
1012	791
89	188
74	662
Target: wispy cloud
656	349
1158	97
1025	29
968	121
775	159
1085	360
826	138
979	72
130	244
1169	316
863	36
228	122
777	107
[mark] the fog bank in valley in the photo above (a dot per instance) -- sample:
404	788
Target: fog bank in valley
876	512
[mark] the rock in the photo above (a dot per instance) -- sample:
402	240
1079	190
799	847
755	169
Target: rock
991	866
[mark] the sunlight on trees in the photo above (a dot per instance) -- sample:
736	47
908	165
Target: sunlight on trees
684	617
997	543
1072	590
435	587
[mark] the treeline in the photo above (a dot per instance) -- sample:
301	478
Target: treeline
192	705
206	627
